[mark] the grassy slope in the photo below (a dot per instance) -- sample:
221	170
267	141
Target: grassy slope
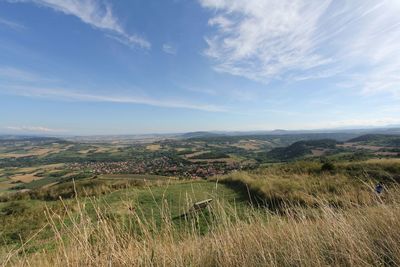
306	183
19	220
363	236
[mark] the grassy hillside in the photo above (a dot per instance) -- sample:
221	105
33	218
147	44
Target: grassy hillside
300	149
26	214
307	183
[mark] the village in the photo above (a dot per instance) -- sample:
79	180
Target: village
160	166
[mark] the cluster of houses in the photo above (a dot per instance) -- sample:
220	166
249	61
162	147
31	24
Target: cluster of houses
159	166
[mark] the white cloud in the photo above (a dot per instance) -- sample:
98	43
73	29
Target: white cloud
200	90
294	40
169	49
35	129
11	24
261	39
96	13
12	73
20	82
371	122
70	95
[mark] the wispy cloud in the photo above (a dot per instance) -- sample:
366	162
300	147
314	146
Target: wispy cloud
12	24
15	81
261	39
294	40
371	122
169	49
96	13
236	94
34	129
74	95
200	90
14	74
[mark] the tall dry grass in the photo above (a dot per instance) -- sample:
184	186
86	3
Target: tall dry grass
321	236
279	186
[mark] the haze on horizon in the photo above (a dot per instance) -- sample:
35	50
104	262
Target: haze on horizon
134	67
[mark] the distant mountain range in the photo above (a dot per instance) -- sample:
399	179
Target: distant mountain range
27	138
392	130
360	131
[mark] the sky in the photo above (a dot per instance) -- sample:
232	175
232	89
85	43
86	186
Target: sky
83	67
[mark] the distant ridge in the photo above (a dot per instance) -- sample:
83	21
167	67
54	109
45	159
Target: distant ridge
27	138
370	137
346	134
383	139
279	131
200	135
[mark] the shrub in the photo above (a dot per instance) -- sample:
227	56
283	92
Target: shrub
328	167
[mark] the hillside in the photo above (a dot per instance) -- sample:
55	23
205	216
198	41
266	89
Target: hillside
119	198
378	139
301	149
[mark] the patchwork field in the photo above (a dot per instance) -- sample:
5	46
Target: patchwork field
31	152
154	147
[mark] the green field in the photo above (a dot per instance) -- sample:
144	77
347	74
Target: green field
22	218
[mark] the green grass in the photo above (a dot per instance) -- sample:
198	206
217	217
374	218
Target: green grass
324	236
177	196
20	219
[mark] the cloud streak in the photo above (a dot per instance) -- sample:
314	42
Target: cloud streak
169	49
371	122
96	13
11	24
294	40
70	95
17	74
36	129
15	81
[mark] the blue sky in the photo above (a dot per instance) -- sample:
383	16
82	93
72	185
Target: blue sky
139	66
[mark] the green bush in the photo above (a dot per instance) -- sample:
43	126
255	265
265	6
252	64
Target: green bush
328	167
